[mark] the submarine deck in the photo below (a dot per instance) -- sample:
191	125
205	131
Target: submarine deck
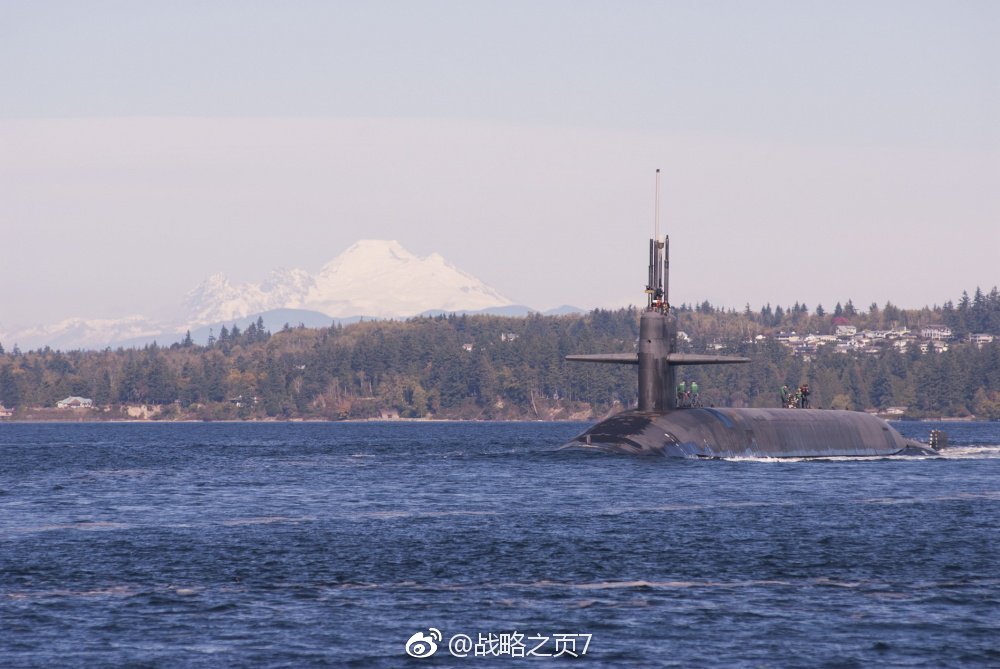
756	433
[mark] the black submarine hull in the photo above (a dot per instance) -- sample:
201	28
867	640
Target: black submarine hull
748	433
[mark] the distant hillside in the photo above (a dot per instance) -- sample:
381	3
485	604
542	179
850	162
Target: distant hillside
495	367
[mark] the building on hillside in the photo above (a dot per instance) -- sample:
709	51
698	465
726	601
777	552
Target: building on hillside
936	332
75	402
876	334
980	339
933	346
5	412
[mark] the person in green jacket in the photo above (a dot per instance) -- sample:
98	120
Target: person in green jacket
681	393
694	394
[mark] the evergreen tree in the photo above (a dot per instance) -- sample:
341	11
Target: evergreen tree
161	387
880	392
10	393
103	392
132	388
979	317
891	314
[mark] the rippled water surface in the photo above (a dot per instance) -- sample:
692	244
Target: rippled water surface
300	545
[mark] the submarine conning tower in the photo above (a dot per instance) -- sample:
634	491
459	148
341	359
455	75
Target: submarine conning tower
656	378
657	355
657	337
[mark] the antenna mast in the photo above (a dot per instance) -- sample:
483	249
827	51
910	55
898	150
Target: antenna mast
655	286
656	215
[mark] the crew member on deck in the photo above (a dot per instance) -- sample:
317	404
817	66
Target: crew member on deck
681	392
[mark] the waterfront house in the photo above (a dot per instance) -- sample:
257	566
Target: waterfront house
75	402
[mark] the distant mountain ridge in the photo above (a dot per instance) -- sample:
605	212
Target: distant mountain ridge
371	279
374	278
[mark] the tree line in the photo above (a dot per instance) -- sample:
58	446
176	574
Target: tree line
491	367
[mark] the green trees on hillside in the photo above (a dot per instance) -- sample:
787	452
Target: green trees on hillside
494	367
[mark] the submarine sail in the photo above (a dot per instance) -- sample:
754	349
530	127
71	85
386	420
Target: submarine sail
660	426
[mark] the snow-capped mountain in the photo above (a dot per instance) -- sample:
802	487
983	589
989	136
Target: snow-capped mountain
381	278
216	299
371	278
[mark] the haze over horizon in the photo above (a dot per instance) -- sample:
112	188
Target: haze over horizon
811	152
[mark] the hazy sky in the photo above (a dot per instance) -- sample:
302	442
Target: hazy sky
811	151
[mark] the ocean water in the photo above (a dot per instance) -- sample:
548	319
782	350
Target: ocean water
328	545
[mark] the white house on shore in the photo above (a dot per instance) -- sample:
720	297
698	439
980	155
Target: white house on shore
75	402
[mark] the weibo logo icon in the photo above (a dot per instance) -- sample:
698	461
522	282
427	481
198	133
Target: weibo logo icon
423	645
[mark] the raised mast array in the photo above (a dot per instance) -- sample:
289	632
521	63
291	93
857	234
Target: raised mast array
658	264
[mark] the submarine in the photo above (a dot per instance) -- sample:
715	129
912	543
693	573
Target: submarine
659	426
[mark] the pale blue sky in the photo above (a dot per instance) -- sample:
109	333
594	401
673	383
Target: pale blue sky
850	148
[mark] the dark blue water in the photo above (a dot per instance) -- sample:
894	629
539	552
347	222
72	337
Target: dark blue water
299	545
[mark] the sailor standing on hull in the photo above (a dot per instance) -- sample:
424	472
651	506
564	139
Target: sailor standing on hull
804	396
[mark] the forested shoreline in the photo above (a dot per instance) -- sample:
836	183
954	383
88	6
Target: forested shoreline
498	368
